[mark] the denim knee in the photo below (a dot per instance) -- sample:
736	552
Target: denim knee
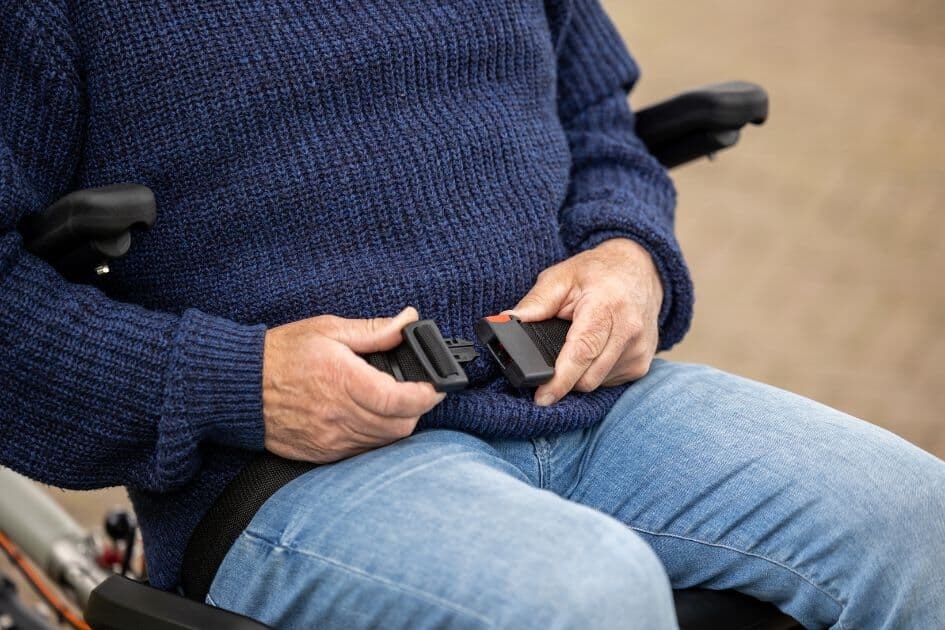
908	531
896	579
604	577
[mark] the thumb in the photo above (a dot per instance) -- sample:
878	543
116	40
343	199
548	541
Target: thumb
544	301
372	335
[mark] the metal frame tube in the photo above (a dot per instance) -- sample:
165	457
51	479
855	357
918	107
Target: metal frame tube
46	533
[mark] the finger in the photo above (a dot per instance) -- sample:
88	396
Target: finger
379	393
602	366
630	370
545	299
624	344
588	337
370	335
375	429
635	362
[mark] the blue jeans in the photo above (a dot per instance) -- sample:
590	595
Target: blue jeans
695	478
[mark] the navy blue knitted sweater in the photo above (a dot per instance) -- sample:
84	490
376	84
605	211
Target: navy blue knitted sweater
308	157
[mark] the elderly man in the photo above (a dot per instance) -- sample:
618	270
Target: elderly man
319	163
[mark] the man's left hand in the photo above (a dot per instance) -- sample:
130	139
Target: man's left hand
612	293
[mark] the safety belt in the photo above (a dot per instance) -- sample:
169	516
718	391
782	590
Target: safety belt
524	351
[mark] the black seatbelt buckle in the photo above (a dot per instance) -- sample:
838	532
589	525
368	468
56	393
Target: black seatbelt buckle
520	358
436	356
426	357
462	350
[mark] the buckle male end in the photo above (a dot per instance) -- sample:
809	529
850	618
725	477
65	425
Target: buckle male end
440	358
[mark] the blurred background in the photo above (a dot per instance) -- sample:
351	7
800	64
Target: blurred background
816	245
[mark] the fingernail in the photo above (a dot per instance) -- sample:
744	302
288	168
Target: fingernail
545	400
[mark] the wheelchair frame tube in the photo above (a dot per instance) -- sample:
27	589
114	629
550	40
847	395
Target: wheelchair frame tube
48	536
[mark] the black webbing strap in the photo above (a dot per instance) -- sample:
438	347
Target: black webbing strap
401	363
548	336
229	515
423	353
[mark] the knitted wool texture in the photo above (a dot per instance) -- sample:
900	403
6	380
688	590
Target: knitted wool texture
308	157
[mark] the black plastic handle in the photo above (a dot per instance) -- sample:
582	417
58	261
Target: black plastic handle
89	227
700	122
121	604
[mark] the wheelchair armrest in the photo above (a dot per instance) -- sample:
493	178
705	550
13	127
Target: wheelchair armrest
87	228
122	604
700	122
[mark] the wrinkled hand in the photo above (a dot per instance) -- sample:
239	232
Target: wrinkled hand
322	402
612	293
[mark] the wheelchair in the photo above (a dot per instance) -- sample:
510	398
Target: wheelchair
83	231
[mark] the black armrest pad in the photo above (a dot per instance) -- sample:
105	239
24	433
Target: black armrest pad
122	604
720	107
88	215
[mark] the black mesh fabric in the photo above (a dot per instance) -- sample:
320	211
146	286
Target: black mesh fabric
549	336
229	515
380	361
404	359
409	363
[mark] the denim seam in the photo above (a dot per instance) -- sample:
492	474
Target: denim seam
420	594
833	598
544	462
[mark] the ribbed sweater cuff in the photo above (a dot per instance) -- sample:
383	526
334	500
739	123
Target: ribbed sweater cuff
215	380
593	222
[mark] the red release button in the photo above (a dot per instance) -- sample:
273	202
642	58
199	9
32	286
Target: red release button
499	319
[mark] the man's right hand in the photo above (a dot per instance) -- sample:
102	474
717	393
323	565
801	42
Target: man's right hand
322	402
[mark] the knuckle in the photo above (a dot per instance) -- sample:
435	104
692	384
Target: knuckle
331	440
591	380
385	401
610	306
637	369
633	326
327	323
604	313
534	299
589	345
372	326
405	429
332	372
546	275
585	349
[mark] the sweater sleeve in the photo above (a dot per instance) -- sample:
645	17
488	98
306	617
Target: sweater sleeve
617	188
94	392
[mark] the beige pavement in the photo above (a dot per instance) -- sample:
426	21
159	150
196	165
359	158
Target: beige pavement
817	246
